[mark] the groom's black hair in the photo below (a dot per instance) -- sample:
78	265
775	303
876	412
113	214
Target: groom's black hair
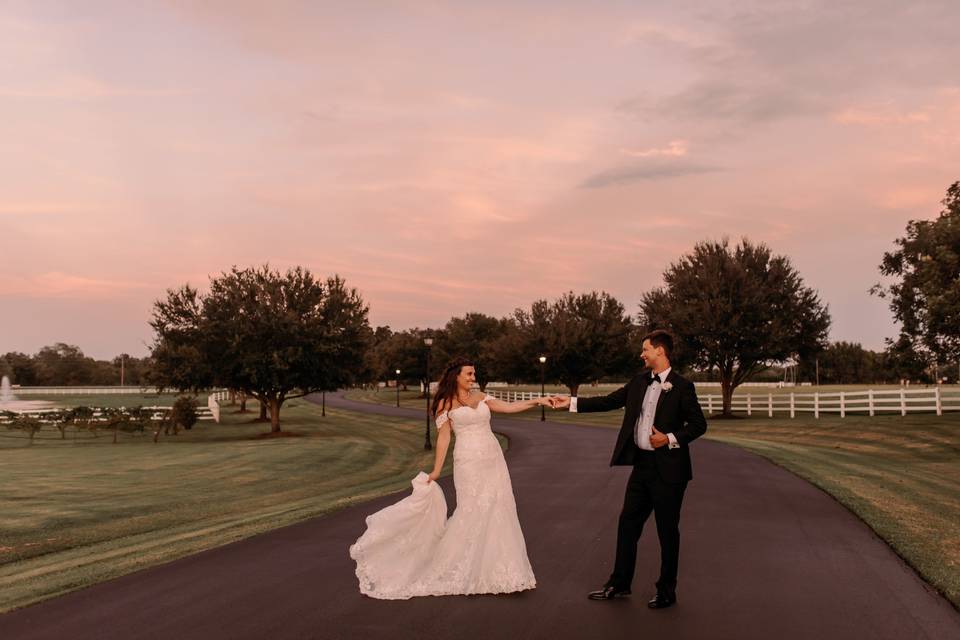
661	338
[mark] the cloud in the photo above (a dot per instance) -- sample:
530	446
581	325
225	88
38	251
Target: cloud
627	174
56	284
718	100
872	116
675	148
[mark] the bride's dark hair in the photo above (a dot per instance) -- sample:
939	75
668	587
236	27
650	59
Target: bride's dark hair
447	387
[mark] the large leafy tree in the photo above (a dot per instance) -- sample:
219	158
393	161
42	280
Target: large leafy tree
925	294
737	309
376	368
848	363
471	336
584	337
272	336
406	351
19	367
63	364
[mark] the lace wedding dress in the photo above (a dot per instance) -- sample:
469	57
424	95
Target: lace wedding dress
411	549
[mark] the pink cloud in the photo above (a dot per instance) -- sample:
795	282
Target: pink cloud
56	284
877	116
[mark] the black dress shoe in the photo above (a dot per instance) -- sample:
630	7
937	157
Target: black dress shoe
662	600
608	593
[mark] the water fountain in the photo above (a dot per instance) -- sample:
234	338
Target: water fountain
9	402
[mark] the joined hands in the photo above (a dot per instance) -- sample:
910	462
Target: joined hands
554	402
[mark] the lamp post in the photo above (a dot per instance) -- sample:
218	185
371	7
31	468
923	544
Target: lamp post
398	388
323	411
426	442
543	412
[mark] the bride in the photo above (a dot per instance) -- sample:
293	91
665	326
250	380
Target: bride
411	549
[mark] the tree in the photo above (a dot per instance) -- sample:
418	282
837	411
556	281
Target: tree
902	361
22	422
471	336
405	350
184	413
19	367
584	337
80	417
925	298
848	363
182	342
273	336
375	366
737	310
514	353
63	364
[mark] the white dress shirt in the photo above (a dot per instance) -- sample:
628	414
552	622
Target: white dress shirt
644	426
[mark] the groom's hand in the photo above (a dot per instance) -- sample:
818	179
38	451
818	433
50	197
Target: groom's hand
560	402
658	439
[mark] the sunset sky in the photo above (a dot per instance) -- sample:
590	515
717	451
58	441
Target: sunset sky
454	157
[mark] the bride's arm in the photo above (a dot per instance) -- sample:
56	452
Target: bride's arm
500	406
443	443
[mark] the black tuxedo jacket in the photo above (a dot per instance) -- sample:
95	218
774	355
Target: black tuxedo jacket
678	412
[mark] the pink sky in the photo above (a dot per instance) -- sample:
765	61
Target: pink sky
454	157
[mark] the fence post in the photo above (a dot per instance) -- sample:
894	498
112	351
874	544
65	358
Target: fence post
816	405
903	402
843	405
749	406
770	405
793	411
870	401
710	403
939	401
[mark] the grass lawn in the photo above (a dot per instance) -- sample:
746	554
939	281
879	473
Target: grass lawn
115	400
901	475
82	510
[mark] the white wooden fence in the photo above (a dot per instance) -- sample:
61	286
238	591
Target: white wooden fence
870	401
210	412
83	391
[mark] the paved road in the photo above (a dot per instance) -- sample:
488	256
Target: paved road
765	555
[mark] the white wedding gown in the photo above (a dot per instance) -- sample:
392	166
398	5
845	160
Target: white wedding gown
411	549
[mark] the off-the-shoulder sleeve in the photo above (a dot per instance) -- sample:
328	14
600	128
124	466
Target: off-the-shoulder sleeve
442	419
488	397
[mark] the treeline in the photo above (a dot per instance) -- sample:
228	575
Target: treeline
584	337
66	365
738	312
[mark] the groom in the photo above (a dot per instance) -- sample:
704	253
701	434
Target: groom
662	418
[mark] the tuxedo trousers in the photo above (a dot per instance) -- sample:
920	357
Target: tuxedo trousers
648	493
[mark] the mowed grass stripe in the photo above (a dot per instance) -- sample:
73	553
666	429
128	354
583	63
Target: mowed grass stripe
83	511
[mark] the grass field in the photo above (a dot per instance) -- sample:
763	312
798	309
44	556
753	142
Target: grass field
109	400
83	510
901	475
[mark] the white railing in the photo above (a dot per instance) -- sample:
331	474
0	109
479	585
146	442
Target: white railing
83	391
50	416
210	412
770	385
870	401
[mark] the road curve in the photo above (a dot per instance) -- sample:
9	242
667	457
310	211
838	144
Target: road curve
764	555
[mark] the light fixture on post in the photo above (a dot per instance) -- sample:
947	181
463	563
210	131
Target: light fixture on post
543	411
426	443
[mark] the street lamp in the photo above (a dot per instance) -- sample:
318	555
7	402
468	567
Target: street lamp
543	412
426	443
398	388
